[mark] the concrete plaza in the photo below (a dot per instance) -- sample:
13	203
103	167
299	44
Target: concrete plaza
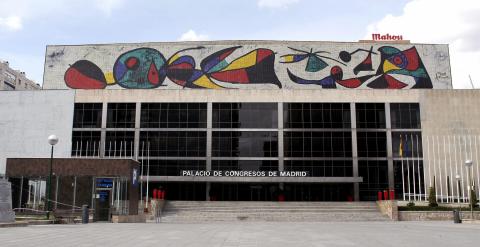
327	234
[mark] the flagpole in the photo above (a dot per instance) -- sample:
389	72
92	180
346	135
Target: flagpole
445	163
408	168
148	172
456	168
403	172
141	174
440	170
476	164
429	168
451	171
418	171
413	171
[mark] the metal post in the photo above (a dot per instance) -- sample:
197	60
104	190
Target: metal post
21	193
49	190
74	192
470	191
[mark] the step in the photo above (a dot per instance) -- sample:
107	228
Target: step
212	211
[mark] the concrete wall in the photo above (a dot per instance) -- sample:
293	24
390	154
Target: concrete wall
198	65
27	118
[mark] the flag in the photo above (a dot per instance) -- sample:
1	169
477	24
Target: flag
400	148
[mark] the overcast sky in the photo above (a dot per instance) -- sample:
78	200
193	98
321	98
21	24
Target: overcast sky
27	26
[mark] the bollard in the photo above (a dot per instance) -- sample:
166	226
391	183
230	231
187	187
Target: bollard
392	194
456	216
84	214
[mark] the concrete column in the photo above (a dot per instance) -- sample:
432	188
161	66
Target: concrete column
281	163
281	166
353	119
209	146
136	137
388	125
103	132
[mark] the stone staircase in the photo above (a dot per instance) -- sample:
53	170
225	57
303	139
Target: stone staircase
228	211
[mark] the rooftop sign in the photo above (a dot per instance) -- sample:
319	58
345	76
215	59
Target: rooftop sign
386	37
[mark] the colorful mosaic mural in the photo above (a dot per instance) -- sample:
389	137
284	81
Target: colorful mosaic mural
253	65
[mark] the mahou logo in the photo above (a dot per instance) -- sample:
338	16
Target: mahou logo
386	37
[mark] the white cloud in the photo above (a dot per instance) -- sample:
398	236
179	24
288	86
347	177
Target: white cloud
441	21
107	6
12	23
275	4
191	35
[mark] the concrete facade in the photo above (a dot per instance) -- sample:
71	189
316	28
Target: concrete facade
29	117
449	121
12	79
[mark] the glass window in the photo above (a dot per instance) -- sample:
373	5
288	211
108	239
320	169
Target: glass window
121	115
411	144
370	115
171	167
408	176
173	115
372	144
244	144
317	144
8	86
316	115
87	115
245	165
405	115
85	143
321	168
375	178
245	115
119	143
173	143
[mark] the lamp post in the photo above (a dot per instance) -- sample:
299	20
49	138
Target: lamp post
457	177
52	140
469	164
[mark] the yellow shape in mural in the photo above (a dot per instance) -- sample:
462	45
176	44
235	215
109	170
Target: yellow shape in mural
387	66
246	61
109	78
205	82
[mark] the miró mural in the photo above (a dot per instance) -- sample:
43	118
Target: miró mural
281	65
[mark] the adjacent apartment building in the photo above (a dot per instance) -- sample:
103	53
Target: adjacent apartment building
12	79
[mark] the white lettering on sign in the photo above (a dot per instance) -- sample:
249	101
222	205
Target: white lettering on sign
386	37
194	173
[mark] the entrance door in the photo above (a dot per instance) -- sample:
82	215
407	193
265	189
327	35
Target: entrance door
256	193
102	205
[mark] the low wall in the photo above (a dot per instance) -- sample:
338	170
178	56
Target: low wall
389	208
140	218
434	215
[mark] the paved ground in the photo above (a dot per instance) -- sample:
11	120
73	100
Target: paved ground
369	234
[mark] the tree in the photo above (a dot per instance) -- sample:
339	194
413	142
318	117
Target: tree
432	197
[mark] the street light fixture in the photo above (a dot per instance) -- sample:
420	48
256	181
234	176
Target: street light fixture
52	140
469	164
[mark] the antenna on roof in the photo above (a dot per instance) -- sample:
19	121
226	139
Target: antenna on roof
471	82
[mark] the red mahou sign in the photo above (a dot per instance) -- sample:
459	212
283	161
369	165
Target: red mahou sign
386	37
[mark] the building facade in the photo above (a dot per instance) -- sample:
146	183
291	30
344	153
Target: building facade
256	120
14	79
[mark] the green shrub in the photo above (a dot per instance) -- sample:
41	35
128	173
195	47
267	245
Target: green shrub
473	198
432	197
410	204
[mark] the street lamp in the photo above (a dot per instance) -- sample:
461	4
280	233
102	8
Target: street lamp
52	140
469	164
